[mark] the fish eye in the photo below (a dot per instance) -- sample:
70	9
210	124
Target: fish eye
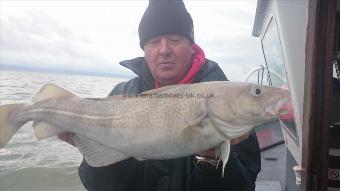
256	91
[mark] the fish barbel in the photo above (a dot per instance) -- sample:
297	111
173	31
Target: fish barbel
165	123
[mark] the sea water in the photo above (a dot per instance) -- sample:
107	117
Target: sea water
50	164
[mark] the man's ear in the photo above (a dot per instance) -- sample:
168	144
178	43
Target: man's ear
192	49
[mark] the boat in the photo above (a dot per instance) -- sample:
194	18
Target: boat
301	47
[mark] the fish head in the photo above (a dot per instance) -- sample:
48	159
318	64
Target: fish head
242	106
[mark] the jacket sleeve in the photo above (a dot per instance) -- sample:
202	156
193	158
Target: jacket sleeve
240	172
116	176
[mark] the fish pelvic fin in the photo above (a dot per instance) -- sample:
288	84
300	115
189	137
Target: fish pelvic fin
97	154
7	127
224	154
49	91
44	130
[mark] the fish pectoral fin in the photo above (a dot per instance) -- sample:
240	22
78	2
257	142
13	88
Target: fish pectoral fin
109	98
224	154
196	127
44	130
229	131
51	91
96	154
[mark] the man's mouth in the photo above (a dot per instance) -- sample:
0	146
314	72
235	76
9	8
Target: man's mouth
167	63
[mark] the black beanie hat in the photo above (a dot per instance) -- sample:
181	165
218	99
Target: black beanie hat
165	17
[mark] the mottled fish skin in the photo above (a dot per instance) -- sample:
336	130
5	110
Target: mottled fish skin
150	125
112	129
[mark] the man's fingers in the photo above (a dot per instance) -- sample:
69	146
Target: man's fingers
67	137
211	153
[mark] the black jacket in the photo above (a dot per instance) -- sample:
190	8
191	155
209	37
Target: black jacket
176	174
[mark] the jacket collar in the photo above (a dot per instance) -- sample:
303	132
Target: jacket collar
138	66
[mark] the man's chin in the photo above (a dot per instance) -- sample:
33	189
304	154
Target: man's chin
164	81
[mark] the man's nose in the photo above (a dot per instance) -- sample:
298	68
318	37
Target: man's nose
165	49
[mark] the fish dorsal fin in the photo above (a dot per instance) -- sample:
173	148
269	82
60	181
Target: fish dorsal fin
109	98
96	154
162	89
49	91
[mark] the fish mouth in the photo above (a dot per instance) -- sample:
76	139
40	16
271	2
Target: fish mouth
277	108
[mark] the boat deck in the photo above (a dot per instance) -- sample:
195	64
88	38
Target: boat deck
273	158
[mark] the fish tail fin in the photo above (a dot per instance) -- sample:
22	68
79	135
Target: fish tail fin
50	91
7	128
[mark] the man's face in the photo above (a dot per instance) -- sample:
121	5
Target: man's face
168	58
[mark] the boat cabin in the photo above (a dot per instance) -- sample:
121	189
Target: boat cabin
301	47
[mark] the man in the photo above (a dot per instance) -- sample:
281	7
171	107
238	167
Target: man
171	57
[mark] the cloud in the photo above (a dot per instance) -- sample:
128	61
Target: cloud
35	39
97	35
225	35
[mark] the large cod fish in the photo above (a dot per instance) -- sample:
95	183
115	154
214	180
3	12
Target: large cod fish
165	123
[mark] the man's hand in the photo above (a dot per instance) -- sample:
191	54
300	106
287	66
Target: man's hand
67	137
211	153
239	139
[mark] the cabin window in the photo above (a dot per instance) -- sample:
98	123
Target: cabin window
272	51
271	46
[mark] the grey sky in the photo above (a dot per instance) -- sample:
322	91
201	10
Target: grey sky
96	35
